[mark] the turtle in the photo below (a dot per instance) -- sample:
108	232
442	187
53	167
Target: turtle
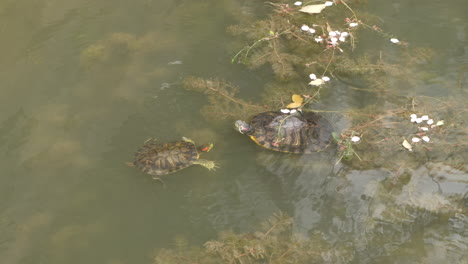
288	131
159	159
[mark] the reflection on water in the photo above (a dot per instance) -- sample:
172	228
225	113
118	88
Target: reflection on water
84	83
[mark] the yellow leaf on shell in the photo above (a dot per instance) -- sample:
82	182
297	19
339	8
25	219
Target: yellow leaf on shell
293	105
313	9
297	99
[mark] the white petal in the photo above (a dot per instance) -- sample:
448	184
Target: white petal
355	139
424	128
344	34
333	39
317	82
425	117
415	139
413	116
293	111
326	78
328	3
353	24
312	76
305	27
430	122
298	3
311	30
318	39
419	120
332	33
426	138
407	145
342	39
285	111
439	123
394	40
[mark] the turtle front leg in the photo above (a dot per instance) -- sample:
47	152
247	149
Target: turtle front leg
211	165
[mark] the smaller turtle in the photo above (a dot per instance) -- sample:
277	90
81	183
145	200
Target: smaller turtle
159	159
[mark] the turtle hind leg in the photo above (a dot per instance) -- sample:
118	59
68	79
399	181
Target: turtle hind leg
211	165
188	140
159	179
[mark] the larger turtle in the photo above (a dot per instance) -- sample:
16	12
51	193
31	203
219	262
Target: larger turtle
299	132
158	159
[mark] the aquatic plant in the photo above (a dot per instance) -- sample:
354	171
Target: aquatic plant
274	243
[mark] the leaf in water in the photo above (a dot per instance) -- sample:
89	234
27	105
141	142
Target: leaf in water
313	9
407	145
317	82
293	105
297	99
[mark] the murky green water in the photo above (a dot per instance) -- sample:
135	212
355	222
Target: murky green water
70	120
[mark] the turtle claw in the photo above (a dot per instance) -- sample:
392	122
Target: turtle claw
211	165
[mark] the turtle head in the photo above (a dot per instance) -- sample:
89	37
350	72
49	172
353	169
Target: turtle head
244	128
205	147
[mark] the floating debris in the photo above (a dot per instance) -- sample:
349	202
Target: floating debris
177	62
165	86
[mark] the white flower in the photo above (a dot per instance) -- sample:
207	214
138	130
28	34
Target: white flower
342	39
312	76
319	39
332	33
426	138
355	139
311	30
415	139
344	34
328	3
353	24
425	117
305	27
430	122
418	120
394	40
424	128
325	78
285	111
298	3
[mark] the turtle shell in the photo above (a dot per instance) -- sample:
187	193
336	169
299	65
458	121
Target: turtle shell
159	159
306	132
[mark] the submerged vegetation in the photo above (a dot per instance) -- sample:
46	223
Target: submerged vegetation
314	49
